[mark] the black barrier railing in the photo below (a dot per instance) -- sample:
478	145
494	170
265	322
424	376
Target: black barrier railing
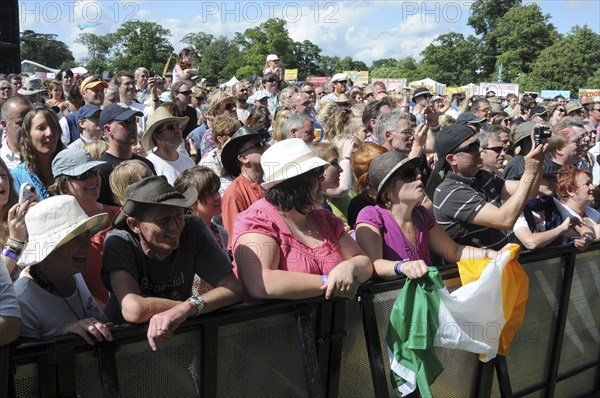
319	348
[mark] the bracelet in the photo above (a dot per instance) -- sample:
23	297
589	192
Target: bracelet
588	237
16	242
8	253
398	266
13	248
486	253
347	158
324	278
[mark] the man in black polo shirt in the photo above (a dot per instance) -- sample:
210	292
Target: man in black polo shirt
118	122
475	206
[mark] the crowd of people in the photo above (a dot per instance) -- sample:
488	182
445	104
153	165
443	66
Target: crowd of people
157	201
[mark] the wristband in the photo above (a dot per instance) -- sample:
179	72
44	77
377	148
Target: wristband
347	158
324	278
8	253
16	242
13	248
398	266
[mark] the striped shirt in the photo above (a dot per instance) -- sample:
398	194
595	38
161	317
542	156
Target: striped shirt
456	202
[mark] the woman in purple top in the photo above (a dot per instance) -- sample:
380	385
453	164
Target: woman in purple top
396	233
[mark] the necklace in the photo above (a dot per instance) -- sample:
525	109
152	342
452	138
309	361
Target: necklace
49	286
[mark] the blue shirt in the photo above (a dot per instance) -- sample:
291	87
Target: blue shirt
22	174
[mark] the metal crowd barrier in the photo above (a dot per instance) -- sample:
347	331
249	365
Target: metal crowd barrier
318	348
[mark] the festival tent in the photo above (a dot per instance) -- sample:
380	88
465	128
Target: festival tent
433	86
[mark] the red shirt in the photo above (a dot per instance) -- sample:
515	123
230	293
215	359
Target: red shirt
238	197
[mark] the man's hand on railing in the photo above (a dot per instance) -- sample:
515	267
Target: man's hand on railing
89	327
162	325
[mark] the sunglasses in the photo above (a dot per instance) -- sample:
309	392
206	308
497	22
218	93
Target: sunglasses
82	177
472	147
187	92
6	88
506	121
229	106
306	103
497	149
260	145
342	81
173	126
309	92
561	110
409	175
486	110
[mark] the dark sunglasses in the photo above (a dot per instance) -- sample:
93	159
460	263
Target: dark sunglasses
473	146
497	149
187	92
173	126
409	175
260	145
305	103
90	173
229	106
561	110
309	92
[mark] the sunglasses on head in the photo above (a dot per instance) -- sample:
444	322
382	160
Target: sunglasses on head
409	174
473	146
90	173
497	149
259	146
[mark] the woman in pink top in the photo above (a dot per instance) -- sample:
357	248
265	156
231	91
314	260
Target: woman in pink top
284	245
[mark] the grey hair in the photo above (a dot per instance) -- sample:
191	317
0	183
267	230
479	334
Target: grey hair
295	122
139	71
485	137
388	121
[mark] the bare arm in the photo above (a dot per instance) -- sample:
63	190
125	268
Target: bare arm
10	329
535	240
505	216
444	246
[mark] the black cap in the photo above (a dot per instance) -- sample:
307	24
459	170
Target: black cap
232	148
448	140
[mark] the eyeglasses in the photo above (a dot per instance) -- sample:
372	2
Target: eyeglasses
408	132
260	145
321	94
229	106
409	175
472	147
506	121
187	92
342	81
271	80
173	127
5	88
305	103
486	110
497	149
90	173
596	109
131	120
561	110
309	92
242	90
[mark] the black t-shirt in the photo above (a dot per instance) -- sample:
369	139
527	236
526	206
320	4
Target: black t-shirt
192	123
198	254
106	196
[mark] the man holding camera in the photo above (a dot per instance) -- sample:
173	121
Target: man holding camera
475	206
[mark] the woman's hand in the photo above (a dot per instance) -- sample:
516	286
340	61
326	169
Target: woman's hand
17	229
162	325
89	327
341	282
414	269
348	147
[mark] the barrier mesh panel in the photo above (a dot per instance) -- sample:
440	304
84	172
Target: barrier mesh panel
169	372
260	358
582	331
355	377
355	371
578	386
87	375
528	356
26	381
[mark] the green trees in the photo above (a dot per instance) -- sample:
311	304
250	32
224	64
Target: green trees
45	49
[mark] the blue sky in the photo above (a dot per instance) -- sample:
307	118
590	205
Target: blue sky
363	29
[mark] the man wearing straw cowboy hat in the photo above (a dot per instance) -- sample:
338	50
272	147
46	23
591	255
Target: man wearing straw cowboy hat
152	255
165	134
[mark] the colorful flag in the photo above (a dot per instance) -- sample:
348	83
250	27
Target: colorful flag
472	318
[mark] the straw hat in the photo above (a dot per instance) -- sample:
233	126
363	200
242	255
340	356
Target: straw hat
53	222
159	116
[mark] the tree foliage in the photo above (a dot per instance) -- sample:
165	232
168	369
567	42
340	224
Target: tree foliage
45	49
447	51
521	35
569	63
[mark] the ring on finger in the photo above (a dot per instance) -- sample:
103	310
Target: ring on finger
158	329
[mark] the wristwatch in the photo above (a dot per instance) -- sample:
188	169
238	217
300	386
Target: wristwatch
199	303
